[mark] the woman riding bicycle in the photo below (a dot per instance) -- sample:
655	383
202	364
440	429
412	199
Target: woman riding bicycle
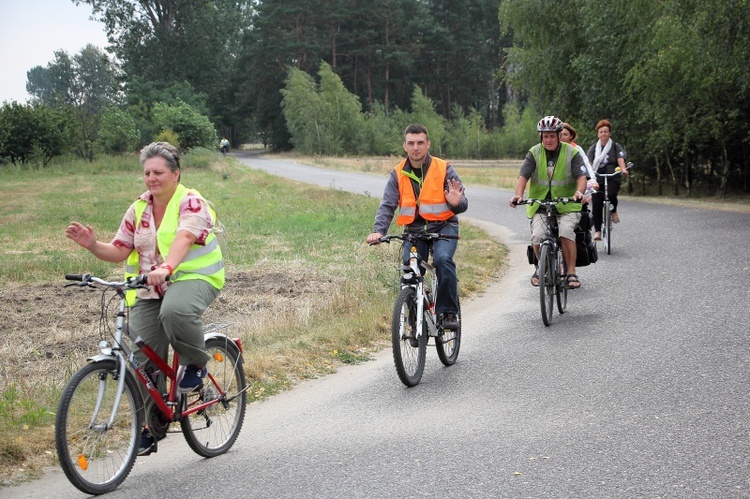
555	169
606	155
166	233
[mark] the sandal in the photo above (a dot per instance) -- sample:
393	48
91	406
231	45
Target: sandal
535	278
572	282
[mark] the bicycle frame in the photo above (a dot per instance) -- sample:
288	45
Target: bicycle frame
124	356
414	265
551	240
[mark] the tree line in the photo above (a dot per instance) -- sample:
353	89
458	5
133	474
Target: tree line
346	76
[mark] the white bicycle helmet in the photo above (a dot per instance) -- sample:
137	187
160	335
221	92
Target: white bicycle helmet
549	124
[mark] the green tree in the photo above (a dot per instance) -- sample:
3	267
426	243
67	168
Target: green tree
86	83
169	41
322	118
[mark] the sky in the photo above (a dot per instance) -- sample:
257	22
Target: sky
32	30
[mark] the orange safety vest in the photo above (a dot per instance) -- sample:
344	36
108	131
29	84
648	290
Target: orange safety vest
431	202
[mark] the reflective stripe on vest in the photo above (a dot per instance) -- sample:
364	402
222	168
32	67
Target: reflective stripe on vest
201	262
431	202
562	184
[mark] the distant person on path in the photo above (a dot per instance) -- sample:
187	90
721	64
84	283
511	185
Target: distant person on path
606	155
429	196
224	145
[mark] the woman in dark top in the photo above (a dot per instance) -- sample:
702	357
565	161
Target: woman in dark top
606	155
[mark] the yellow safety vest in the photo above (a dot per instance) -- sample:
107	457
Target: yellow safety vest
201	262
562	184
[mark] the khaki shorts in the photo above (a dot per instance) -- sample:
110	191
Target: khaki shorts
566	224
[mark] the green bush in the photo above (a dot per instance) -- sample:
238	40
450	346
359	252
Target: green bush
192	128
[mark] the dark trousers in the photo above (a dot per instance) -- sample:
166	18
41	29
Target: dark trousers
597	201
445	268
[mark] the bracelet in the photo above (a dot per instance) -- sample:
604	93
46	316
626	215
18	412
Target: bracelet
579	192
167	266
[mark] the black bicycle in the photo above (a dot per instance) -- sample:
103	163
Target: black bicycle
414	318
552	271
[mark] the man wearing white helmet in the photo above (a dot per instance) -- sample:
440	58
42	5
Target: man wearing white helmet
553	169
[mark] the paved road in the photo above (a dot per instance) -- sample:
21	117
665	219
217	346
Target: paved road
640	390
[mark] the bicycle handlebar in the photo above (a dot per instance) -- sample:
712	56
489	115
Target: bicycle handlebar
89	280
545	202
628	166
415	236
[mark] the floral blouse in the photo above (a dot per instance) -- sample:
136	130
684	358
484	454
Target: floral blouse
194	217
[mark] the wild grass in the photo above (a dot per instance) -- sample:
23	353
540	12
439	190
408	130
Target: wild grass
304	291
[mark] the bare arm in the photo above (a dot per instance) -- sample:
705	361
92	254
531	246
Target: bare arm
520	188
86	237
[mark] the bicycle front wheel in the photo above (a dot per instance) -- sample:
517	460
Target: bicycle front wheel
547	282
213	430
607	236
409	350
97	444
448	343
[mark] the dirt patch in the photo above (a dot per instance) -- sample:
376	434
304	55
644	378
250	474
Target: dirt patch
46	325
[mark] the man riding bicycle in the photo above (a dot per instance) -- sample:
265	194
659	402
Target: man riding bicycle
429	196
555	169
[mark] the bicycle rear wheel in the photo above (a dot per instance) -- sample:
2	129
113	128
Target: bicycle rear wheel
213	430
448	343
96	456
561	287
546	282
409	351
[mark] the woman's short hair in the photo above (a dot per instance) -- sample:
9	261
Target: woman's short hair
571	130
163	149
603	123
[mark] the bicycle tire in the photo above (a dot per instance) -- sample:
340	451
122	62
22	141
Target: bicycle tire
607	236
409	352
561	288
448	343
97	459
213	430
546	282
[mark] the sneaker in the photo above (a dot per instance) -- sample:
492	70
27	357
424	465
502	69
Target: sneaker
450	321
192	379
615	218
148	443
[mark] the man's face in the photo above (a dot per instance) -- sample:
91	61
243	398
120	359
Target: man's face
416	146
550	140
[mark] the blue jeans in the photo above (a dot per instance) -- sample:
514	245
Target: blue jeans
446	299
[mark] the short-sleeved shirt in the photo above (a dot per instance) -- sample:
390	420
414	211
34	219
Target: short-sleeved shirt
195	217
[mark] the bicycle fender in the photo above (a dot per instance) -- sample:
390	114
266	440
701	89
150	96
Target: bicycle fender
228	340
